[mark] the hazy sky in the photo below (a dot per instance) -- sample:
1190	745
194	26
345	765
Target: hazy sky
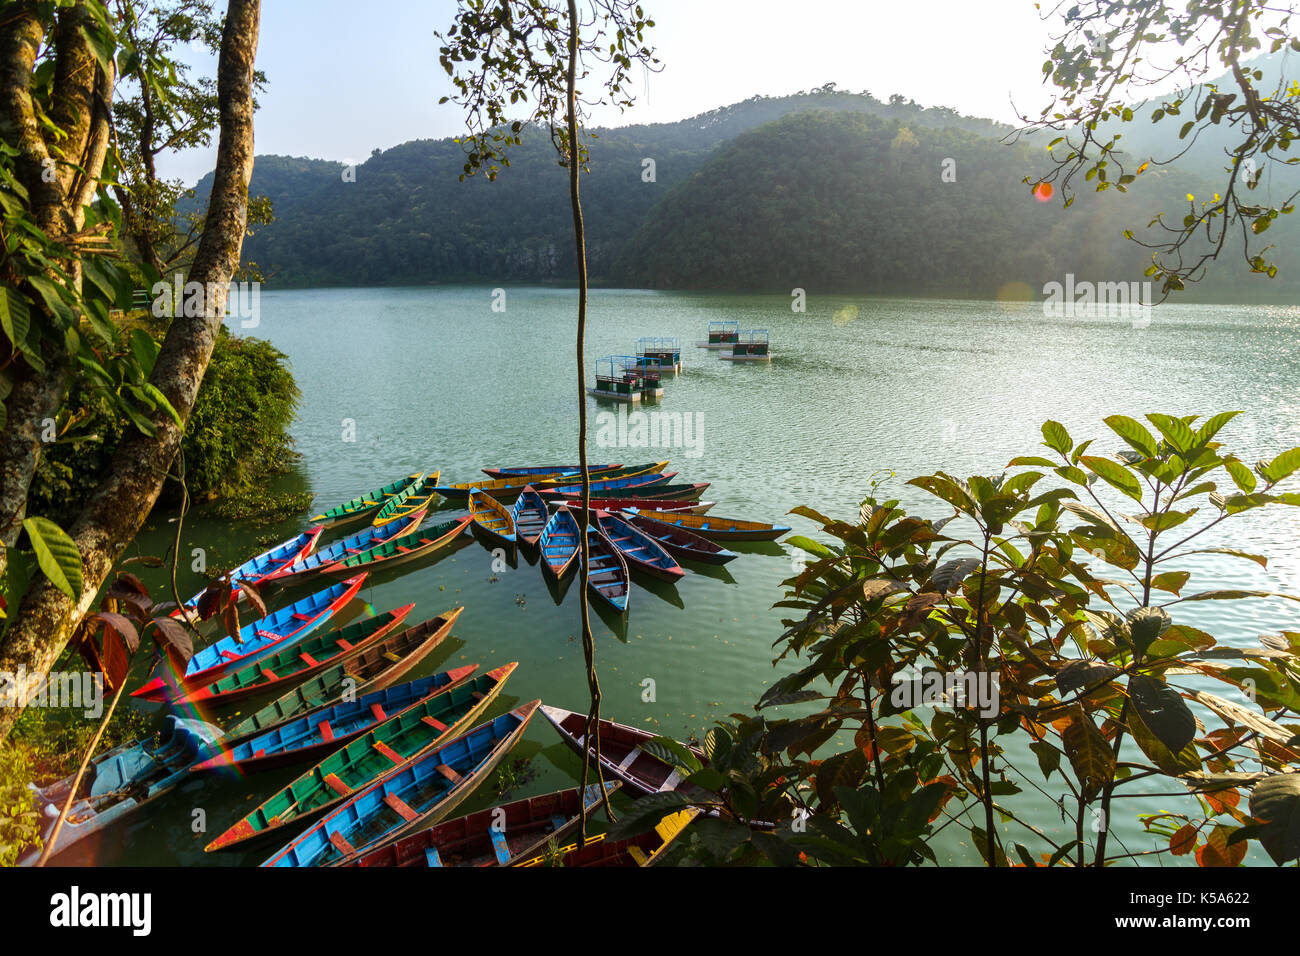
345	78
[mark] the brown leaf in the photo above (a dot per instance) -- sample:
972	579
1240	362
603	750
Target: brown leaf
1089	754
173	640
1183	841
255	598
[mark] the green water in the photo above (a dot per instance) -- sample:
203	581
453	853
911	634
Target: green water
434	378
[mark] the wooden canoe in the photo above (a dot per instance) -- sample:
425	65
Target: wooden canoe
559	544
121	781
529	516
330	555
366	504
680	543
505	490
634	486
326	729
721	529
500	836
295	664
417	498
257	640
418	793
437	719
645	849
621	753
607	579
623	504
532	471
491	518
398	551
641	551
254	570
373	669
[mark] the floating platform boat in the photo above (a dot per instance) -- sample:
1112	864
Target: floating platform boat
366	504
750	346
720	529
256	640
498	836
417	794
665	350
722	335
436	719
618	379
373	669
122	781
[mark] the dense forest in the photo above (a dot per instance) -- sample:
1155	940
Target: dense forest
822	188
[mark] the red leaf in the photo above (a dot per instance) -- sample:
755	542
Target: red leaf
173	640
1183	841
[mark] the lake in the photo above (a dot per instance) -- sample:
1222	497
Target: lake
401	380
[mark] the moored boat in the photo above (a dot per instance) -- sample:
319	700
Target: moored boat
373	669
402	550
491	517
297	663
254	570
498	836
364	505
721	529
639	550
722	335
680	543
644	849
121	781
558	544
652	490
418	793
326	729
750	346
652	504
635	485
607	577
529	516
436	720
259	639
351	546
533	471
417	498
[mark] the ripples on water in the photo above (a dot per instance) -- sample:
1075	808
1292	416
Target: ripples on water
434	378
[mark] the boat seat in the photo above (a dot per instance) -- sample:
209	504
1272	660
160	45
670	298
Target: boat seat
631	756
400	807
500	846
269	674
341	843
377	711
343	643
638	855
230	655
672	780
308	659
450	774
431	857
325	730
338	786
380	747
434	722
392	656
301	617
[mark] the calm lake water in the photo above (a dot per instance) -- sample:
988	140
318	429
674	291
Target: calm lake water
399	380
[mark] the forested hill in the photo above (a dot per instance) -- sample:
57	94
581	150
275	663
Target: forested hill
824	188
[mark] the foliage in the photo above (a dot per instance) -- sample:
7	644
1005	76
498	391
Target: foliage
1102	64
53	739
236	436
20	817
1052	618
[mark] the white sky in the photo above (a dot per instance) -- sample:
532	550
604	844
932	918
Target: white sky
345	78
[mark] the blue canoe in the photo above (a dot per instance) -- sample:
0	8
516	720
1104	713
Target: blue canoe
413	796
265	636
329	728
530	516
123	780
344	548
640	550
607	579
559	544
613	484
257	569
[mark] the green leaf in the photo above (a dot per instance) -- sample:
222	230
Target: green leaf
1283	466
673	753
1114	474
1164	711
1056	437
1133	432
56	554
1212	426
1175	431
1276	802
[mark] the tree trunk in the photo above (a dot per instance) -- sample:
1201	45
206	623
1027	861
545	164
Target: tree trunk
124	498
